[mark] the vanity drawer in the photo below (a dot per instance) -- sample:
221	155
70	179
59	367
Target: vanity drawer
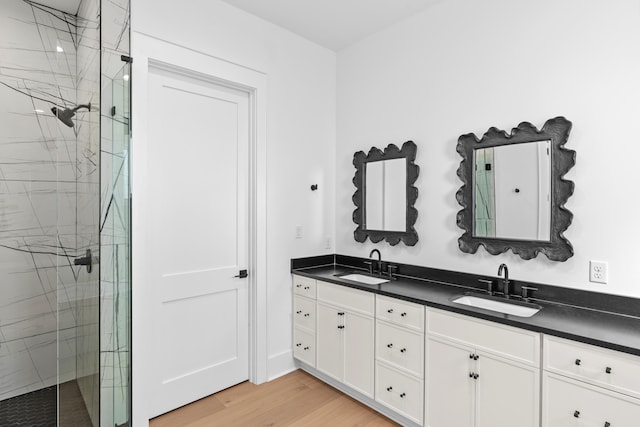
400	312
400	392
606	368
576	404
352	299
513	343
304	286
304	346
400	347
304	313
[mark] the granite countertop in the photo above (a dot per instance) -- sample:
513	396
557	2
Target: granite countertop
602	328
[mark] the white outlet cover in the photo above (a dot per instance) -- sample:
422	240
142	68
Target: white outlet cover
598	271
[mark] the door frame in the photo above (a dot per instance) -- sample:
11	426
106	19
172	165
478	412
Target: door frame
152	53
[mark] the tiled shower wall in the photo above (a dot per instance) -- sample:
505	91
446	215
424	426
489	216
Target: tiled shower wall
48	197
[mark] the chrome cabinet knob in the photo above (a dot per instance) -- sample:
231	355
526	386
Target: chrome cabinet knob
403	314
390	311
608	370
389	388
576	414
389	345
578	362
403	350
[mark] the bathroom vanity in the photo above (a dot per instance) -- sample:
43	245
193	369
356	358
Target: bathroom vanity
406	349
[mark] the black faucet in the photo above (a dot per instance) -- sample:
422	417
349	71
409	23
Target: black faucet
375	251
505	287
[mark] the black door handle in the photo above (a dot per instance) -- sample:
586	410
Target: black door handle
242	274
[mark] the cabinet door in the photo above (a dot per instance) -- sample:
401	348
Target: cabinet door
359	353
450	389
330	335
507	393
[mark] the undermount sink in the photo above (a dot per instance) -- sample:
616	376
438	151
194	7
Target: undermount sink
506	307
361	278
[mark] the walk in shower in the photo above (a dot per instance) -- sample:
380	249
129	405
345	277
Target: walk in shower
65	294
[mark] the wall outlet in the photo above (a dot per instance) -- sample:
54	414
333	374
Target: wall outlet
598	271
298	232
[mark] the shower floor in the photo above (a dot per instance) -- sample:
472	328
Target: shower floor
39	408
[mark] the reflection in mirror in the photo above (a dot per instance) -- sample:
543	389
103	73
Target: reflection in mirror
513	191
386	196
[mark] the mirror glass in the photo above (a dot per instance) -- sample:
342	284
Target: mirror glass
512	191
386	196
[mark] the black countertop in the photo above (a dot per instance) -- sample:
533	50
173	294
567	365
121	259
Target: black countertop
592	326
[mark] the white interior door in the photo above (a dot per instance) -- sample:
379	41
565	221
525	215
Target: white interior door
198	164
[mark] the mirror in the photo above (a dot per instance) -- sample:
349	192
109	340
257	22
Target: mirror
385	195
514	192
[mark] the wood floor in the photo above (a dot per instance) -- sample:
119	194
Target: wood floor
296	399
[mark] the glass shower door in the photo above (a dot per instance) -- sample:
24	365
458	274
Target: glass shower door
115	389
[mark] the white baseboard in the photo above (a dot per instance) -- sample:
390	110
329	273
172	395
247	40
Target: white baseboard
280	364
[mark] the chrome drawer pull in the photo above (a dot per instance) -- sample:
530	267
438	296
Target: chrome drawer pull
402	395
390	311
607	424
403	314
389	388
389	345
578	362
576	414
403	350
608	370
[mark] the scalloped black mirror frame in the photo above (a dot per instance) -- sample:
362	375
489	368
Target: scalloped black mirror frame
557	131
408	151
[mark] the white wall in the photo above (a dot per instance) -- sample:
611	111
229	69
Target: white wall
463	66
300	133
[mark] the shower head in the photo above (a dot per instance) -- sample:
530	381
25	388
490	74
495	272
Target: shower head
66	115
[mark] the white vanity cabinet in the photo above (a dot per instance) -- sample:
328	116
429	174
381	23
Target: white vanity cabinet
345	336
304	319
400	356
480	373
585	385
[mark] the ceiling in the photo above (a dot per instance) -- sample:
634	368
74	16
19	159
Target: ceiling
69	6
334	24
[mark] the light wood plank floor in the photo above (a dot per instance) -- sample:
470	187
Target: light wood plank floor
296	399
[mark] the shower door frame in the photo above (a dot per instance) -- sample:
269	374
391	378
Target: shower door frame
149	52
